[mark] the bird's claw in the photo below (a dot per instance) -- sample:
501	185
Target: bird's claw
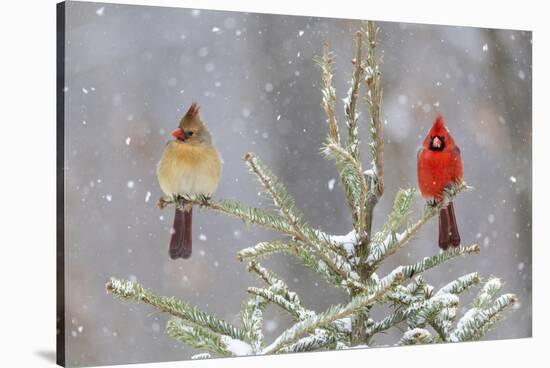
162	202
205	200
432	202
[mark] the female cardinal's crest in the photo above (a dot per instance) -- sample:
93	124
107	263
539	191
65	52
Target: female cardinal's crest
193	110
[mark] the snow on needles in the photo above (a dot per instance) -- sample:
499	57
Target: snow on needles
348	241
236	347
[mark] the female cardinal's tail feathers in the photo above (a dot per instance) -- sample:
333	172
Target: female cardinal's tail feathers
181	239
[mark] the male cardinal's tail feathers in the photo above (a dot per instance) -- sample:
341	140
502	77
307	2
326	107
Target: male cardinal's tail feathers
444	231
455	236
181	239
448	229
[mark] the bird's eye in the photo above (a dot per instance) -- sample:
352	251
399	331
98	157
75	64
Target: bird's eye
188	134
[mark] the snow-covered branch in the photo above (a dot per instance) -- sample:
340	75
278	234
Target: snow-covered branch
128	290
485	312
334	313
374	105
394	242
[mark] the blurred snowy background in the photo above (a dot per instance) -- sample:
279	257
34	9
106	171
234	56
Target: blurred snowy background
132	71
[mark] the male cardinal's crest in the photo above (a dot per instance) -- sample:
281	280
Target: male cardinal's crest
440	165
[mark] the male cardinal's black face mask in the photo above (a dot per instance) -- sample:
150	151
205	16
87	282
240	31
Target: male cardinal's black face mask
437	143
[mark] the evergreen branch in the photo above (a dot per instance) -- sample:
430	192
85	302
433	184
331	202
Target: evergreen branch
196	336
336	263
279	294
418	286
487	293
127	290
303	232
201	356
351	101
278	286
374	104
309	260
382	250
319	266
442	324
433	261
345	171
329	94
320	339
386	323
459	285
477	322
334	313
249	215
301	252
401	210
279	300
263	249
401	297
417	314
271	185
352	175
431	308
252	320
416	336
269	277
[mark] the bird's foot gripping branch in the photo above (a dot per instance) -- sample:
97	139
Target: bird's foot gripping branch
350	262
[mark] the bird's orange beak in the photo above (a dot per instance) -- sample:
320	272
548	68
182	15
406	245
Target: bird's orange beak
178	134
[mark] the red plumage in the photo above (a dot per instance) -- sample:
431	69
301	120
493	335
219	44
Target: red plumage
440	165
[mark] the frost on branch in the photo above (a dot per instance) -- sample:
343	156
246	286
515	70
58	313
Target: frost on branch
349	262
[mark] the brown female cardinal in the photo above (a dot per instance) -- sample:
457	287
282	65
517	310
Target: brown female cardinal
190	165
440	165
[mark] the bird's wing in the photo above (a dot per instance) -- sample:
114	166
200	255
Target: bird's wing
418	151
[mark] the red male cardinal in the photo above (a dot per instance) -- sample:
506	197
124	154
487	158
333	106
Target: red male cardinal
190	165
440	165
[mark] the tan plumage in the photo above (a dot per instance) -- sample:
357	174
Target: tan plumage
190	165
189	169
